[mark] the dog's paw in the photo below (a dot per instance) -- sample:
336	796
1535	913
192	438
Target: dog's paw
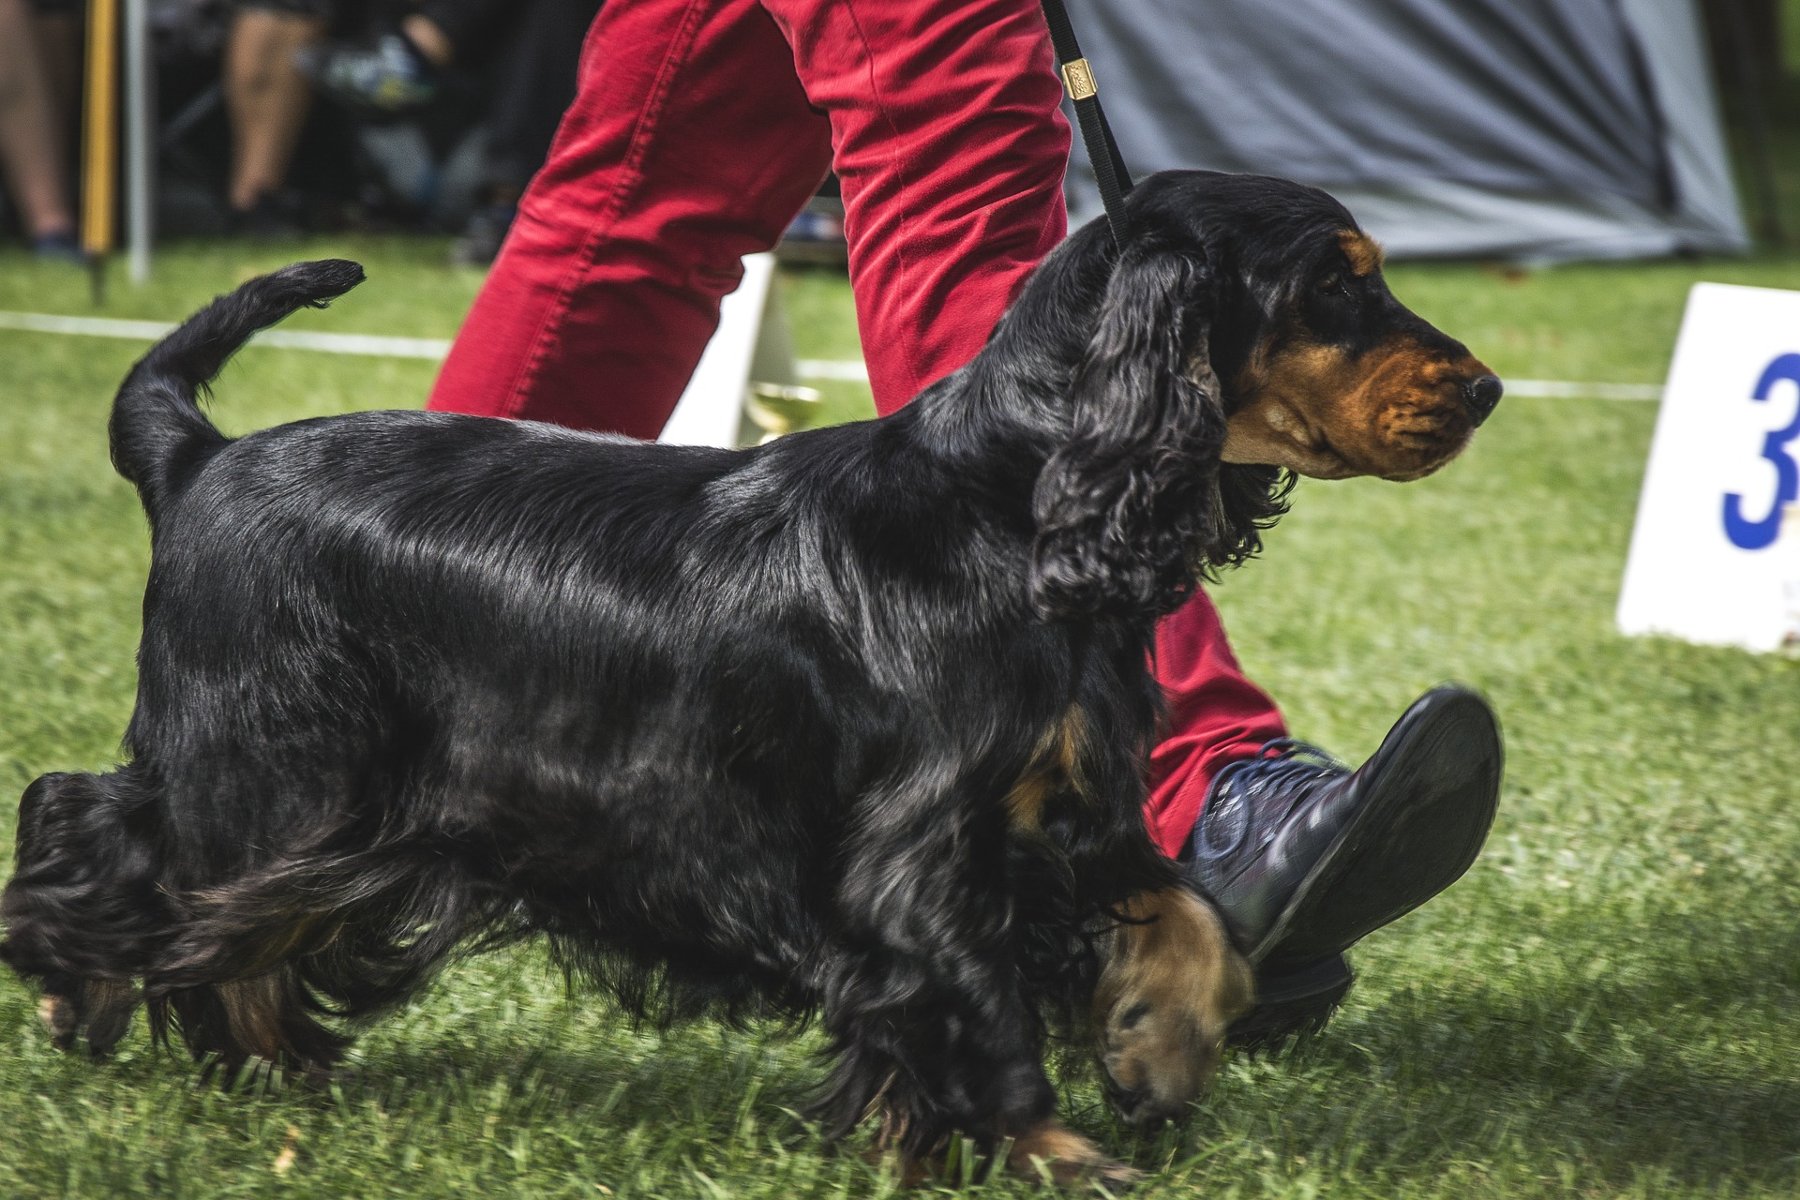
61	1018
1063	1158
100	1011
1172	986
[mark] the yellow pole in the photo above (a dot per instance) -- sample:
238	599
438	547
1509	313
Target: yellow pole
100	128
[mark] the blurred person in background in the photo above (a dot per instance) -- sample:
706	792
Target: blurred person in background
58	26
400	69
267	97
33	134
525	53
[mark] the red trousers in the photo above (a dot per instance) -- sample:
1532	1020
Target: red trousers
699	129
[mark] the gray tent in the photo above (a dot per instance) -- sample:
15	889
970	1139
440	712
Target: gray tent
1535	129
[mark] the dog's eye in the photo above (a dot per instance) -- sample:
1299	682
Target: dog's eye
1334	284
1130	1017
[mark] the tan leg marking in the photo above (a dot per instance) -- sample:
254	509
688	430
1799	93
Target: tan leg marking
1055	766
1056	1154
253	1012
60	1017
1172	985
102	1011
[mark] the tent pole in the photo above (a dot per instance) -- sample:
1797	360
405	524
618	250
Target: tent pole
139	101
99	138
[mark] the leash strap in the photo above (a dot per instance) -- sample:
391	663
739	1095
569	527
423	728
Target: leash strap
1096	134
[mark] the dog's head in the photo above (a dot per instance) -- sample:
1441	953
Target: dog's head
1171	987
1244	335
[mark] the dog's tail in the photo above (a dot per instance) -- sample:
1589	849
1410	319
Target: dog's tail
159	435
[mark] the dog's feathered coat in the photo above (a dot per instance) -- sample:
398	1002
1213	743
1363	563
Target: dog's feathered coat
852	723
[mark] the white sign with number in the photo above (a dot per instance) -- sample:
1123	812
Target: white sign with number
1715	556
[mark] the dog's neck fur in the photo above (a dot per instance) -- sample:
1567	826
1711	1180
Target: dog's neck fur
1010	406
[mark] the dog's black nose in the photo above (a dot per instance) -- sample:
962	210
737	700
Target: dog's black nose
1125	1101
1482	396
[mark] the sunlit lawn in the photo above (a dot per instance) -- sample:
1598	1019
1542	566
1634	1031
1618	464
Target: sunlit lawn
1608	1005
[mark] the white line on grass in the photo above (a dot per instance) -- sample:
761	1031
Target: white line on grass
1568	389
845	370
838	369
292	339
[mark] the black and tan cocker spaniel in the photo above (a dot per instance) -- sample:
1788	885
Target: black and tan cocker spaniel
853	724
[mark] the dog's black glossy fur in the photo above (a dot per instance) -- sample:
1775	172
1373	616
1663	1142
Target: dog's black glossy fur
736	730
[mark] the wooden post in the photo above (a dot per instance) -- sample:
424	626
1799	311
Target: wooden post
100	135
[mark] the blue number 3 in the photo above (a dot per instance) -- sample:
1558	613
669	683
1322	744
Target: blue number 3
1755	535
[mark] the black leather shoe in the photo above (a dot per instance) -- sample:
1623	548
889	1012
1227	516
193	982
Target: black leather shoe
1305	857
1293	1000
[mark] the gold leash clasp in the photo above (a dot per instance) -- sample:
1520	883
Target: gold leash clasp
1078	79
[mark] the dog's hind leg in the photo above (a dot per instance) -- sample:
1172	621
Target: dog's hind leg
107	1008
83	913
261	1020
349	934
101	1010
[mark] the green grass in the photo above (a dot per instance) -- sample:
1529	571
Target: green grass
1608	1005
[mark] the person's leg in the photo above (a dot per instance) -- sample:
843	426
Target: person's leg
59	27
266	94
1216	716
951	149
690	144
948	141
29	147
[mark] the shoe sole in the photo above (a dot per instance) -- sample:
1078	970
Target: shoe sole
1422	824
1284	1016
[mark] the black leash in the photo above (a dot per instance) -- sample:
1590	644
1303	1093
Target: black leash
1096	134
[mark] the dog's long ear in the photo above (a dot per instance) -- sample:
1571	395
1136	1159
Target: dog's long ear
1128	507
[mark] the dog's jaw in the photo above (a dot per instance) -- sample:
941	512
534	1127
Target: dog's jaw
1275	434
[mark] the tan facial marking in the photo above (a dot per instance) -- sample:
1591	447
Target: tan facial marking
1318	410
1364	252
1172	985
1291	395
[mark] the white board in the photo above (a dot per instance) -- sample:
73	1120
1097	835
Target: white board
711	409
1715	555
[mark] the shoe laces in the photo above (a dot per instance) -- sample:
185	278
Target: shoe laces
1286	769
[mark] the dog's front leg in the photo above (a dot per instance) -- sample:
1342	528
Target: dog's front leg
925	1005
1173	981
